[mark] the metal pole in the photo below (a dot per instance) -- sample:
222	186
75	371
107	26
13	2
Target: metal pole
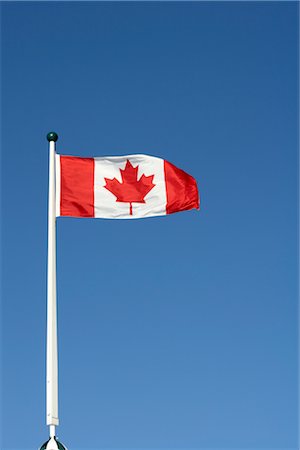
52	365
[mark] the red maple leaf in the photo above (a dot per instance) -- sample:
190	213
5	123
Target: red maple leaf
131	190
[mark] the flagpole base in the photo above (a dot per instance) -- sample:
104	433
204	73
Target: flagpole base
53	444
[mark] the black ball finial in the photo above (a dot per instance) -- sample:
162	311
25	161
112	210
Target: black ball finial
52	136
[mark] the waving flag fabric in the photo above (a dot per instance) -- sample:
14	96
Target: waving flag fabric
122	187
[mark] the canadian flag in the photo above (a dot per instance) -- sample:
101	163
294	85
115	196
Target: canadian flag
122	187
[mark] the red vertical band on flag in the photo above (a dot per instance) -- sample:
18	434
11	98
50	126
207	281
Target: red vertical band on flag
77	186
181	188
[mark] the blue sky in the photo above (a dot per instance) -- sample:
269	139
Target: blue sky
174	332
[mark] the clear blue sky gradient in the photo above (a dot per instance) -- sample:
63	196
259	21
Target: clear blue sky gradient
174	332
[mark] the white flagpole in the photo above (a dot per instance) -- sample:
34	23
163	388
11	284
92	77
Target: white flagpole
52	365
52	371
